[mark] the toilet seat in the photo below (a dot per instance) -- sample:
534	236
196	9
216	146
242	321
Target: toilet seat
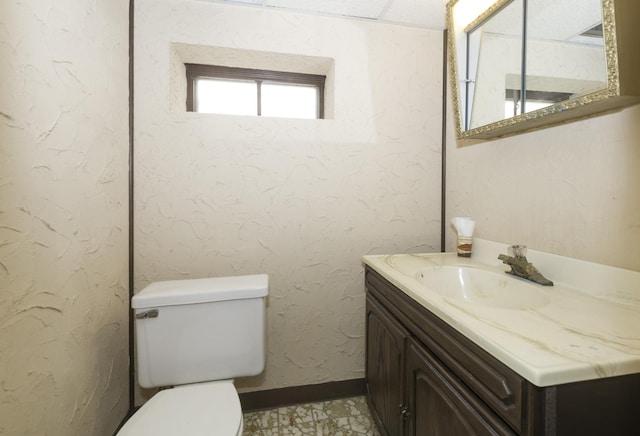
202	409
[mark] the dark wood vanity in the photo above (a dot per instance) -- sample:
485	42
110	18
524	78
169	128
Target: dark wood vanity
425	378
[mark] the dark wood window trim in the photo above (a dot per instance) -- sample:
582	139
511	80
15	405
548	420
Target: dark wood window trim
196	71
514	96
546	96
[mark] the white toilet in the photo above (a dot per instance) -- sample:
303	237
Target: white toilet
197	335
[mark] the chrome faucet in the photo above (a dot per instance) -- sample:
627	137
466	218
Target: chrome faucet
521	267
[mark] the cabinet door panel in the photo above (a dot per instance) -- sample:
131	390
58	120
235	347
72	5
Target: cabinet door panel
386	340
440	405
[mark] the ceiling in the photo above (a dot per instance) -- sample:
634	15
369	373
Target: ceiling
428	14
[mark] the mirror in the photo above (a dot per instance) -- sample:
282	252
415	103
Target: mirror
523	64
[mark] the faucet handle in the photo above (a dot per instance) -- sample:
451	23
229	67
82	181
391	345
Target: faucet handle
518	251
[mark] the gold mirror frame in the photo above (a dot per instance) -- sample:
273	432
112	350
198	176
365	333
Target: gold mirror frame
621	27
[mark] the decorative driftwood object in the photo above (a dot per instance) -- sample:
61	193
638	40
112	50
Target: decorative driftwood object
522	268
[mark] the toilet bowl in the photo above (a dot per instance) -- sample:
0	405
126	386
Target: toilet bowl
197	335
203	409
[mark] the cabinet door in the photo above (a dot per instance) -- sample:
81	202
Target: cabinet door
439	404
386	340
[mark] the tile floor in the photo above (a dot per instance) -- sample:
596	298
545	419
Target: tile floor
344	417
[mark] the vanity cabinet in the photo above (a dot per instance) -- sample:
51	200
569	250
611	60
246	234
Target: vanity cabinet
424	378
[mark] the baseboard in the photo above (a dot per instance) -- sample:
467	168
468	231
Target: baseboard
282	397
125	419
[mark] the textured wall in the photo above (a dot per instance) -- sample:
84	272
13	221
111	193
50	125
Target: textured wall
301	200
63	216
572	190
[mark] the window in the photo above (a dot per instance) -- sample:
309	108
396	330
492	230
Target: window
243	91
535	100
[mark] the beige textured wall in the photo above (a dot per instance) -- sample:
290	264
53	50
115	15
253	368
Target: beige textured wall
63	216
301	200
572	190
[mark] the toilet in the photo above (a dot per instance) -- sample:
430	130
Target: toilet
195	336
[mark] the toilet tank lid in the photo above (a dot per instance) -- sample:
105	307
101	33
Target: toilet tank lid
193	291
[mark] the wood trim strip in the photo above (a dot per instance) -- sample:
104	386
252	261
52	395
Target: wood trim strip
130	214
272	398
216	71
443	151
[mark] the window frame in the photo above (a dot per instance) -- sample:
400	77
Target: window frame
197	71
552	97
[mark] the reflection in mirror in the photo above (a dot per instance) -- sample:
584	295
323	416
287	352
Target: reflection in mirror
564	51
494	64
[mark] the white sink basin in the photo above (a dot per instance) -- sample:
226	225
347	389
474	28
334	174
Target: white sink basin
481	287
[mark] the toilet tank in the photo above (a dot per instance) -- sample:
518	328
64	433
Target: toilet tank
198	330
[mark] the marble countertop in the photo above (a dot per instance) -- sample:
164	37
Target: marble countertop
588	326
